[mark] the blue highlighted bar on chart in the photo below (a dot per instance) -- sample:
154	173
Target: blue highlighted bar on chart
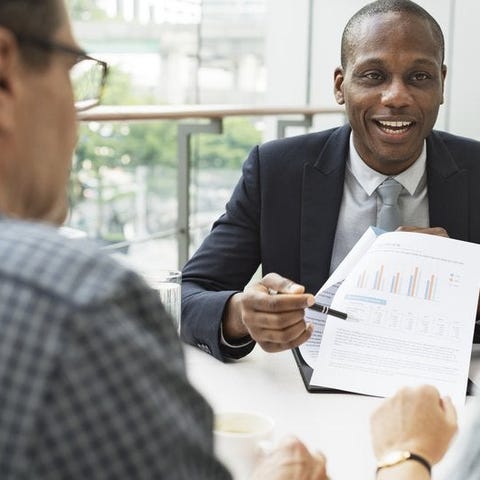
365	299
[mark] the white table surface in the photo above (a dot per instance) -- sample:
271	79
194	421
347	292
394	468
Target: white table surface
336	424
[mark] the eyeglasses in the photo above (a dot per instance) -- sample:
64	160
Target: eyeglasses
88	75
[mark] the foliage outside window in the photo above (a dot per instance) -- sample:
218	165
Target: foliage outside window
123	182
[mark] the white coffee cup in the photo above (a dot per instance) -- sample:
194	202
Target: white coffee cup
240	438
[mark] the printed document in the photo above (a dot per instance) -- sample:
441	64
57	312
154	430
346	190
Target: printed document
411	301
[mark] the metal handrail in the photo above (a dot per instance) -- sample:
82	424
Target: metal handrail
214	114
129	113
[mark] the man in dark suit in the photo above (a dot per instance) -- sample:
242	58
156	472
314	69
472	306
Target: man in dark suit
303	202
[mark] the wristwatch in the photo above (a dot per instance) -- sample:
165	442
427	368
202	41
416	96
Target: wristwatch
399	456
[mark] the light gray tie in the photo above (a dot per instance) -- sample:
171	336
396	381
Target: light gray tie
389	215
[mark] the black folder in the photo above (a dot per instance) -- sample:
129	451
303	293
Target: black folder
306	372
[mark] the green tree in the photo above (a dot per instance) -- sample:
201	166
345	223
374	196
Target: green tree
129	145
230	149
154	143
104	147
85	10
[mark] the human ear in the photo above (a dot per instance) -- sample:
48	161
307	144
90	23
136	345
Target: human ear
338	78
9	63
444	76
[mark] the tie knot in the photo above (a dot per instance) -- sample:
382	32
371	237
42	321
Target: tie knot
388	191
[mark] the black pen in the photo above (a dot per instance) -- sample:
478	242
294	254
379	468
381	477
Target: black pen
318	307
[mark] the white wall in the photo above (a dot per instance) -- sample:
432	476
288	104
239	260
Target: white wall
287	50
286	46
465	71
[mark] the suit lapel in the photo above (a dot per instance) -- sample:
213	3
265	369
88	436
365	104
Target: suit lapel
447	190
321	199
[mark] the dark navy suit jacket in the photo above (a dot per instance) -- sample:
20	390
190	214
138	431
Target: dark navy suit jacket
283	214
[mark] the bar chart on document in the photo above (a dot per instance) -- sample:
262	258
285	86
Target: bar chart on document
411	301
396	294
416	283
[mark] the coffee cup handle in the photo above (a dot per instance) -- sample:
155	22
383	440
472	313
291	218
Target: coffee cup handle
264	448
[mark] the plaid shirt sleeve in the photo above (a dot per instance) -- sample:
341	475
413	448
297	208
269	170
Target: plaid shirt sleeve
94	383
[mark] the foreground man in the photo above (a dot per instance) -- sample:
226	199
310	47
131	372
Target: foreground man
303	202
92	377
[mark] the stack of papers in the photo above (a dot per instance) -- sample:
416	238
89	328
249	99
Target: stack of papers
411	301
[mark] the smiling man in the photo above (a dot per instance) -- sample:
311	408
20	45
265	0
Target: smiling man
303	202
391	88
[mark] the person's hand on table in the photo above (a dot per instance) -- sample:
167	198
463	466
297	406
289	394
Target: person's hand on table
417	420
275	322
291	460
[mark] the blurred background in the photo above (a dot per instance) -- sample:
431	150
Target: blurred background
129	191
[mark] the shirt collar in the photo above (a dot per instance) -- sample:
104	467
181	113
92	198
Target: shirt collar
370	179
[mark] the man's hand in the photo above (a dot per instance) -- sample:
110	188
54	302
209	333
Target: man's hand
275	321
291	461
439	231
417	420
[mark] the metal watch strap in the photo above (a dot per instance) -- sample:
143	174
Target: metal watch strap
408	456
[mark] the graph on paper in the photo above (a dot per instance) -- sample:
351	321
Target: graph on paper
416	282
411	301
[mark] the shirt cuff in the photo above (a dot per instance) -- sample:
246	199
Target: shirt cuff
242	342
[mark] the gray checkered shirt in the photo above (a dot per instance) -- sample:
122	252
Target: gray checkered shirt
92	377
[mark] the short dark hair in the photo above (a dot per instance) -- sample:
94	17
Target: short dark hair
31	18
387	6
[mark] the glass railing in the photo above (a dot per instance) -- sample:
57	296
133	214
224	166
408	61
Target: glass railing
148	181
